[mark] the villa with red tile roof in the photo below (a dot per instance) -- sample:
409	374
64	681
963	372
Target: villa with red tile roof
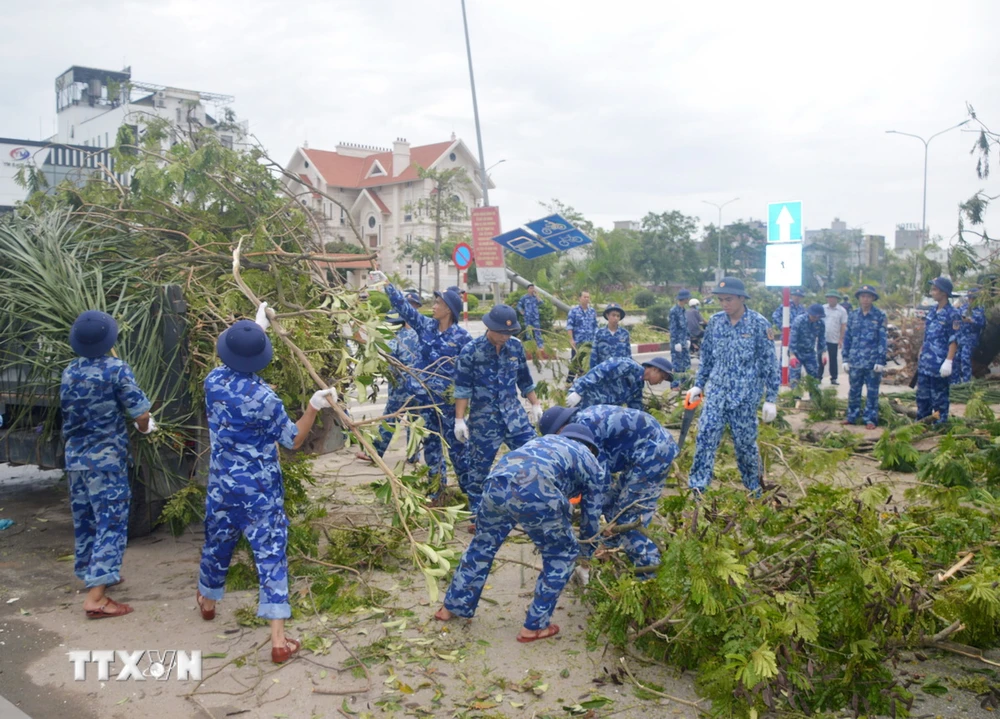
381	191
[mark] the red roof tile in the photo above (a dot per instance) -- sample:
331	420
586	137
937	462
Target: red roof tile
305	179
378	201
341	171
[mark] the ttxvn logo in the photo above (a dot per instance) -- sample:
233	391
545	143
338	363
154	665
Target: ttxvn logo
139	665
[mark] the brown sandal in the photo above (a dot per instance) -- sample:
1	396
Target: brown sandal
549	631
116	610
364	457
206	614
280	655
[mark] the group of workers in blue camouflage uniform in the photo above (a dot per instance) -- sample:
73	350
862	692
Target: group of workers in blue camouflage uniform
680	340
806	344
618	381
613	340
865	343
528	307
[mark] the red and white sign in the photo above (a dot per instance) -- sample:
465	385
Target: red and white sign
487	253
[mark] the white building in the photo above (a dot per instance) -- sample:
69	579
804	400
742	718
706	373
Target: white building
381	191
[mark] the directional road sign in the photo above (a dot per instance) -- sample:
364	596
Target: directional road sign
783	264
549	234
462	256
784	222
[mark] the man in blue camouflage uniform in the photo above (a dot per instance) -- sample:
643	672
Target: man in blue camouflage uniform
973	323
738	365
528	307
795	309
531	487
635	446
441	339
806	343
618	381
581	324
96	394
613	340
934	366
489	372
680	357
864	355
246	422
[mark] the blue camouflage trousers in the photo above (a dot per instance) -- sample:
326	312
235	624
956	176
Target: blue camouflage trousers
265	525
537	335
861	378
395	403
682	363
99	502
932	395
486	434
742	421
544	514
811	365
963	365
634	498
443	424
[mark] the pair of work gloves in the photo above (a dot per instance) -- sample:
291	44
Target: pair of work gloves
768	413
880	368
680	348
462	427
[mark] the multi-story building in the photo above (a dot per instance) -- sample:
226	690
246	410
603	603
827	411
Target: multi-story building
910	237
381	193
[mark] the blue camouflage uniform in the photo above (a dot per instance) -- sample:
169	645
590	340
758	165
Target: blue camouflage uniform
583	322
434	371
404	348
941	328
968	340
95	396
490	381
679	336
807	342
864	347
738	365
617	381
794	312
528	307
635	445
531	487
246	422
608	344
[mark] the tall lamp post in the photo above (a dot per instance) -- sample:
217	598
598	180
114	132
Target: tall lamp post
718	267
923	220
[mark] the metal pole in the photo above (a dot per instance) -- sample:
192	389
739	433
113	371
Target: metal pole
718	266
923	219
786	333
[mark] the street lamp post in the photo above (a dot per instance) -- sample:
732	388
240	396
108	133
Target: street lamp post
718	267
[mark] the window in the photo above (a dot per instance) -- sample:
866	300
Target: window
409	270
409	238
342	220
453	157
227	141
178	116
307	163
408	217
371	222
373	241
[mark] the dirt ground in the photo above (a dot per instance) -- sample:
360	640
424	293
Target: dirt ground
419	667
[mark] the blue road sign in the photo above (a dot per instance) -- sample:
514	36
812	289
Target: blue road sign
462	256
549	234
784	222
524	243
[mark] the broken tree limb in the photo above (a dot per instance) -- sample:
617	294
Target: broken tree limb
954	569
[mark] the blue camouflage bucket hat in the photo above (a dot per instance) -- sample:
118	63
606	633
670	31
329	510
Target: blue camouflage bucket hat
731	286
943	284
502	318
554	418
453	300
816	310
244	347
93	334
580	434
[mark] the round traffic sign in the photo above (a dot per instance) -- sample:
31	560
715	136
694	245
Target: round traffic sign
462	256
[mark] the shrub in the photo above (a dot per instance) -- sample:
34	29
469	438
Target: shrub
473	302
380	301
645	298
659	315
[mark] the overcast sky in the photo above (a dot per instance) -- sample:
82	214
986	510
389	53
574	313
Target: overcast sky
617	108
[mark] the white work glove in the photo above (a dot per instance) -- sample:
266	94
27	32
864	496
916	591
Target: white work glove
261	318
878	369
323	398
678	348
846	366
946	368
769	412
152	427
535	413
582	575
693	394
687	344
573	399
376	277
461	430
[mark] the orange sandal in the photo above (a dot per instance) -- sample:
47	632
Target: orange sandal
549	631
116	610
206	614
280	655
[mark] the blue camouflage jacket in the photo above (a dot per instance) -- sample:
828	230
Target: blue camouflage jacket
583	322
405	348
968	336
619	433
490	381
435	365
794	312
617	381
865	339
941	327
528	307
738	362
246	422
568	466
807	337
607	345
678	326
95	396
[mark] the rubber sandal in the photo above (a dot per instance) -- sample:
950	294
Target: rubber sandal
117	610
471	529
363	457
280	655
549	631
206	614
869	426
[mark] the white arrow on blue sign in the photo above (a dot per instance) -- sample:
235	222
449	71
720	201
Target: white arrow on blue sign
784	222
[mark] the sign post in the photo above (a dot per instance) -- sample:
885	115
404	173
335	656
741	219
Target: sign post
488	254
462	257
783	264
